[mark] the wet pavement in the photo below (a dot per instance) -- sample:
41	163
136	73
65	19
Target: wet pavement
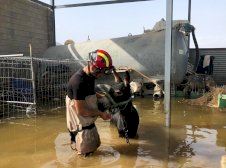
197	138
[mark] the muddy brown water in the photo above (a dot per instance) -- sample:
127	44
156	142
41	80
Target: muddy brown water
197	139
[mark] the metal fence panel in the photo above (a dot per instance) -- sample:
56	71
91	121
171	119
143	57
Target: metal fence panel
29	83
16	87
51	81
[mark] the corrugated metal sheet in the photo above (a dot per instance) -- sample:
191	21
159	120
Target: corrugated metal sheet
219	69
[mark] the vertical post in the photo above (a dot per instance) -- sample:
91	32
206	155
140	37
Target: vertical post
189	20
189	11
32	76
168	54
54	25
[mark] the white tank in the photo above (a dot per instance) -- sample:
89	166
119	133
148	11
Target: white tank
144	53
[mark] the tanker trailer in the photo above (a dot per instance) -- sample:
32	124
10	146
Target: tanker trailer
143	53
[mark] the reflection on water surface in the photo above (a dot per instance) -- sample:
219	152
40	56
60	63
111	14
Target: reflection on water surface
197	139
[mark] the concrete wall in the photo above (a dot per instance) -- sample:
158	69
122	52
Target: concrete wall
23	22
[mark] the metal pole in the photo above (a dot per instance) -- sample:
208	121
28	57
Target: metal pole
98	3
168	54
189	20
32	75
54	27
189	11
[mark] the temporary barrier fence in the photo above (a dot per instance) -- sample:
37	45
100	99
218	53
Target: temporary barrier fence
29	85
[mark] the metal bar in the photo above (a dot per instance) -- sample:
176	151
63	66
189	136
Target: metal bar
14	68
98	3
168	55
42	3
210	48
54	22
12	55
32	75
25	79
19	102
56	61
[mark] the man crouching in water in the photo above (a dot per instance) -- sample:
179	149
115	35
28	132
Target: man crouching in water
81	103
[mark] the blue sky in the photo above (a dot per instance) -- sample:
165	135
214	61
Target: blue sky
117	20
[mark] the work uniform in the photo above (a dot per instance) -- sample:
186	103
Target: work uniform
81	87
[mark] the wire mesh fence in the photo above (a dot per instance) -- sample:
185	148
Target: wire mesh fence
51	81
16	87
29	84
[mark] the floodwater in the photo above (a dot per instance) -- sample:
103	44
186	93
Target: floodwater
197	139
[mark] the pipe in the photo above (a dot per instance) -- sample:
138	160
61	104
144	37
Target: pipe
54	24
189	20
196	50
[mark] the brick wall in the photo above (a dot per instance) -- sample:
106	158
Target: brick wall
23	22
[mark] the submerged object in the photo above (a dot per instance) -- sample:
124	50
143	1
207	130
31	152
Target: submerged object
144	53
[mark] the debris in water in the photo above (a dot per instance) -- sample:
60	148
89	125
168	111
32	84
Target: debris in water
209	98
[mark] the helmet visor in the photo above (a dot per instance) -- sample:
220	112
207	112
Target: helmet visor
92	56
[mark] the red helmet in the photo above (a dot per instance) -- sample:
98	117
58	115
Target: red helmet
101	59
